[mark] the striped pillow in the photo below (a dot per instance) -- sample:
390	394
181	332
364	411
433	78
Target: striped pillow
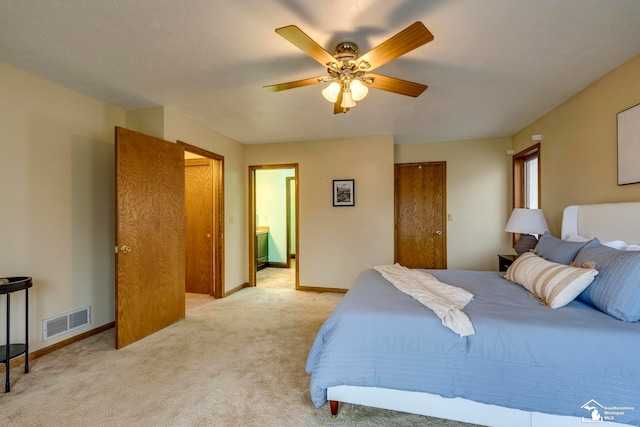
555	285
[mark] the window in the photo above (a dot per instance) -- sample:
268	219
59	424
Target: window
526	178
531	183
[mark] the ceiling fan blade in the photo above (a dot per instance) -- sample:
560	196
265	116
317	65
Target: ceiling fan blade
391	84
306	44
405	41
337	106
292	85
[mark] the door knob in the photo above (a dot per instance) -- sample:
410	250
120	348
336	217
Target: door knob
438	233
125	249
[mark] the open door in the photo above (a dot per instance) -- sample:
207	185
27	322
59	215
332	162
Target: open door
150	235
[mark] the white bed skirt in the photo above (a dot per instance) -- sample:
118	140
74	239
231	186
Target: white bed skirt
456	409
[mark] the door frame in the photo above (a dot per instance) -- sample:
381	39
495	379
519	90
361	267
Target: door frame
288	214
218	215
252	220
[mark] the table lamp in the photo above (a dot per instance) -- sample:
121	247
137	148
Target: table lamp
526	222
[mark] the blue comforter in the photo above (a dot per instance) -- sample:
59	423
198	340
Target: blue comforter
523	355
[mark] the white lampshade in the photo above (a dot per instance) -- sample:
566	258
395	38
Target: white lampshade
331	92
526	221
358	90
347	100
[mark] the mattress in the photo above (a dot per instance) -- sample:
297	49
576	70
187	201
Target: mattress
523	355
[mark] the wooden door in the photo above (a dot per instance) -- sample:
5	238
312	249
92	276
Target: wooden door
420	209
150	263
198	175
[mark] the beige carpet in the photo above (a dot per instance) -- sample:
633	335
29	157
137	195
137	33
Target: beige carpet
238	361
277	278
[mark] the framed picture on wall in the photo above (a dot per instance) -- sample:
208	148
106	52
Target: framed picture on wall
629	145
343	192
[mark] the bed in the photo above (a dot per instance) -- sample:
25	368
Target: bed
526	365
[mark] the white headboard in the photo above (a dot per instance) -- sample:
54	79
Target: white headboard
607	221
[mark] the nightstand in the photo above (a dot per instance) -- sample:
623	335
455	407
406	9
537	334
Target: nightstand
504	261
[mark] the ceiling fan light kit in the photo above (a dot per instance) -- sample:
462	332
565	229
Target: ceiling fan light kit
351	92
349	75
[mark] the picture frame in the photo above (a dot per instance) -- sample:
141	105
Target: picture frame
344	192
628	128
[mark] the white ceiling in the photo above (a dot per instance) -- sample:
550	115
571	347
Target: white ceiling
494	66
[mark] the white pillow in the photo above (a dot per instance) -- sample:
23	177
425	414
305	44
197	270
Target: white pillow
555	285
576	238
631	248
615	244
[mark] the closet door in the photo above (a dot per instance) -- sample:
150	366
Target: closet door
198	175
420	210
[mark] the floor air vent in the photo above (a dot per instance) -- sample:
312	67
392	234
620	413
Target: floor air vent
55	326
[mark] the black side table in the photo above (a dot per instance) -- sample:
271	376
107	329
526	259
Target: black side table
505	261
9	351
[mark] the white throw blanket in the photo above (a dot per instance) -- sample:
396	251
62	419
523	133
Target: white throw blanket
444	300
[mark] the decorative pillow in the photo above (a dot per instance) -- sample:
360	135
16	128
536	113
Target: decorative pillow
599	255
560	251
555	285
616	290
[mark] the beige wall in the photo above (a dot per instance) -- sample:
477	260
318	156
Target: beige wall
149	121
579	145
165	123
57	216
336	243
478	197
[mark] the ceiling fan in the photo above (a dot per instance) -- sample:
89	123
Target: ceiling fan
349	74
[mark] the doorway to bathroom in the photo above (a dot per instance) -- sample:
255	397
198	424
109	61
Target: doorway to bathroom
273	226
